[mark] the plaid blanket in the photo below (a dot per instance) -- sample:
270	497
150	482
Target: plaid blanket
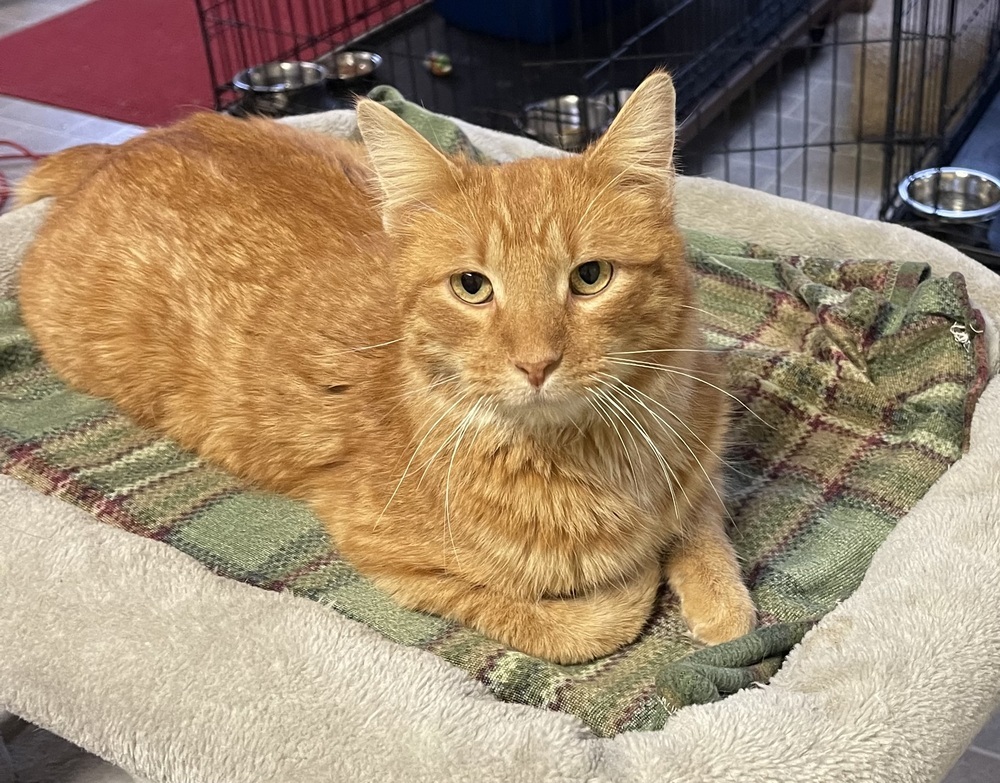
864	375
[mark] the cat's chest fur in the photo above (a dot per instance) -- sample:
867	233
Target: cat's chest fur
538	519
559	524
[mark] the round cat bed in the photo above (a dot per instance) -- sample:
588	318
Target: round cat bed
135	652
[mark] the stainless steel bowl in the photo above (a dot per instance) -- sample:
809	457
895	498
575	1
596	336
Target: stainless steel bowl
352	66
570	122
952	194
280	77
282	87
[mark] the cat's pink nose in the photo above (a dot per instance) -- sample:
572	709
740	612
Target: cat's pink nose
538	371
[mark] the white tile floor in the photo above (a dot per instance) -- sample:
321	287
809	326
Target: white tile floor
40	757
16	14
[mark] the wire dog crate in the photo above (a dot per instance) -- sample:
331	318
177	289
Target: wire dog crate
242	33
827	101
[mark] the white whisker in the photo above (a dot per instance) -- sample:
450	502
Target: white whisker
482	420
429	386
668	474
413	392
453	171
415	452
699	310
444	444
367	347
628	457
675	371
665	465
631	391
669	350
463	427
680	421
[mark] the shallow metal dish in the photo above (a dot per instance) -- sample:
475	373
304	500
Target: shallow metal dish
352	66
569	122
952	194
282	87
280	77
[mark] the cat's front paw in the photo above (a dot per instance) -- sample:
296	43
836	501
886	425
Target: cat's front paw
721	617
578	630
580	644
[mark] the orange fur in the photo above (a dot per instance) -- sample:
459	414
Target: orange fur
279	302
60	175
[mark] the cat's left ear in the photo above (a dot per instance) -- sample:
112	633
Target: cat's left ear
638	148
411	172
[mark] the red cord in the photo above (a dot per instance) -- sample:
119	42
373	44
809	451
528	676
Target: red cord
22	153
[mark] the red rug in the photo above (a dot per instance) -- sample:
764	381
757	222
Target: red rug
137	61
143	61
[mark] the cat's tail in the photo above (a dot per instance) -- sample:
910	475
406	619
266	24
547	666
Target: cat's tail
62	173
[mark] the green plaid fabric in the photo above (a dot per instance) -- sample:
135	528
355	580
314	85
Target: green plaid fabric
864	396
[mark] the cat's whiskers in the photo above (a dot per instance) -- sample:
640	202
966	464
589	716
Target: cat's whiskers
600	406
612	200
596	403
444	444
668	473
487	415
420	428
463	427
406	470
680	421
718	317
633	393
367	347
677	418
669	350
422	390
676	371
700	310
579	429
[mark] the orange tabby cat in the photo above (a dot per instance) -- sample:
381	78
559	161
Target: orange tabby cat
487	380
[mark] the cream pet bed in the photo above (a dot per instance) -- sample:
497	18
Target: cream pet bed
142	656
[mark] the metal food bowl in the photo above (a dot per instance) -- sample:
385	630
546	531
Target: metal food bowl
353	66
952	194
278	86
569	122
280	77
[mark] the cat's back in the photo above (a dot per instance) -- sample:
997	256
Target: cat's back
190	274
212	184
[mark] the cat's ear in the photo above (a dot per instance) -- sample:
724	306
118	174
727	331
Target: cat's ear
638	148
411	172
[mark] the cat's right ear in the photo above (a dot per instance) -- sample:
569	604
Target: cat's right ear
411	172
638	148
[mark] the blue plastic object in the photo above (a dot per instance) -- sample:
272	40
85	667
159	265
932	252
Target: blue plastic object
531	21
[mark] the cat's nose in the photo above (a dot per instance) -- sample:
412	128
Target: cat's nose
538	371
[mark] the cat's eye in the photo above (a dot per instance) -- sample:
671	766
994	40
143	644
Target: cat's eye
472	287
590	278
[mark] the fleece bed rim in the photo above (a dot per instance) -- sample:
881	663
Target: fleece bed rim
191	674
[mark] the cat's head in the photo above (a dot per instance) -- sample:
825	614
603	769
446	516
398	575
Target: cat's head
519	283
